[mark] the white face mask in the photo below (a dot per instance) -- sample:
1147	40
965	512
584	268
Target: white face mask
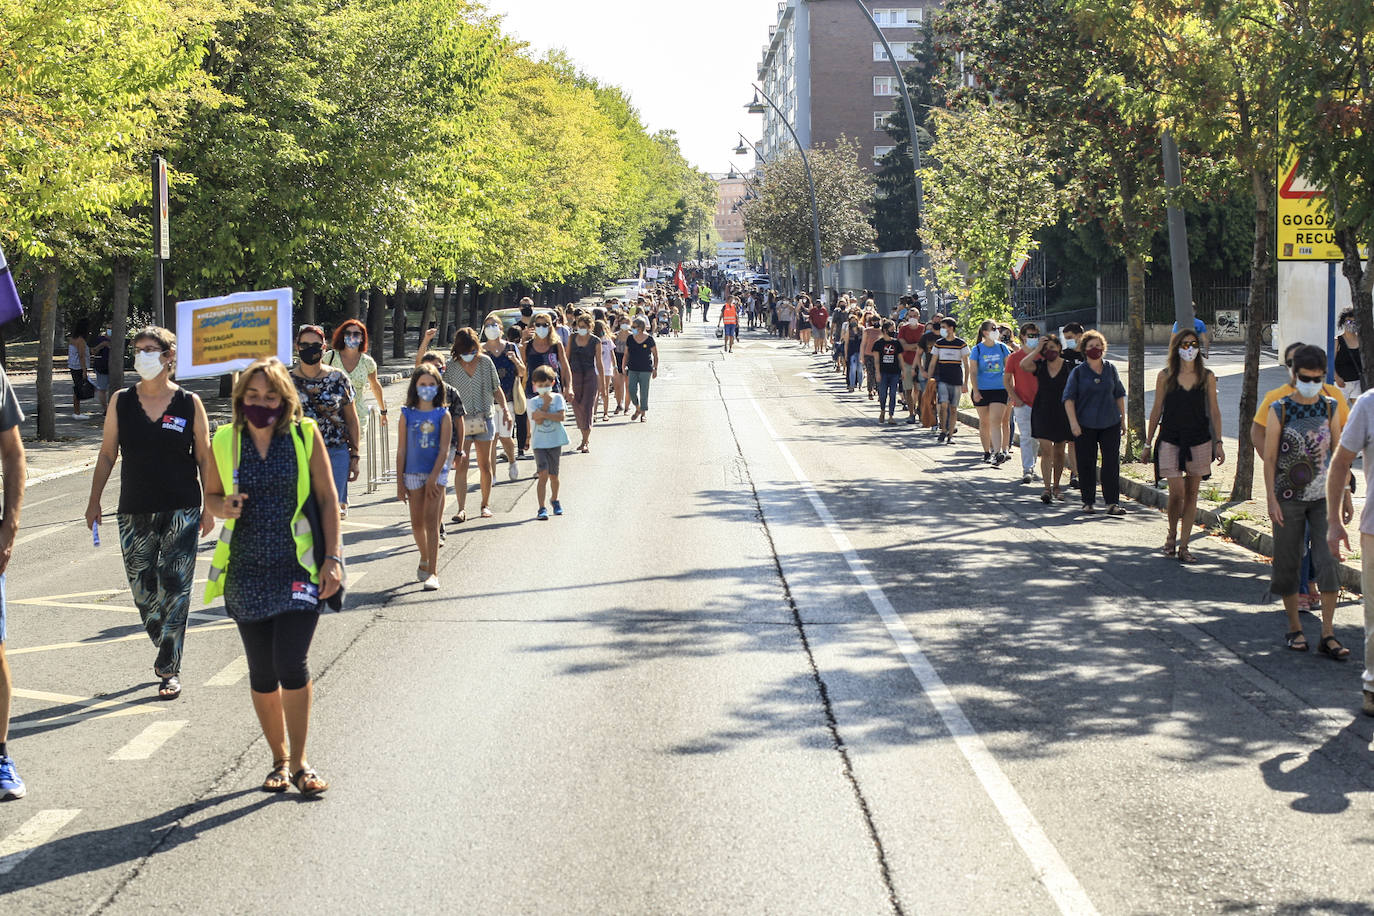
467	357
990	336
1070	343
544	389
584	332
1187	354
945	332
1309	389
148	365
913	322
1030	344
492	331
541	331
624	327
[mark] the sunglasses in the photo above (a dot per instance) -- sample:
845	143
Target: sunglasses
1307	378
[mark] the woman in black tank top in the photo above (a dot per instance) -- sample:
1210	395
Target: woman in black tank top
163	434
1185	412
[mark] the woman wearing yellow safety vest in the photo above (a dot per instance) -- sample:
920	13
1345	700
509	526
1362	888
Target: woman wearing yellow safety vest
267	461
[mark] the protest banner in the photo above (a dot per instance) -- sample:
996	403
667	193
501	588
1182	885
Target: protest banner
227	333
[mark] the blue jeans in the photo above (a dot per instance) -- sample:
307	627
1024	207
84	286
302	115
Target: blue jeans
338	464
889	383
639	388
856	369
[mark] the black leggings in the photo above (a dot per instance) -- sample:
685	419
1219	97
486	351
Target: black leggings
522	431
1085	448
277	650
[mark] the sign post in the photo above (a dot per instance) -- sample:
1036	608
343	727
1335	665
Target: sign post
162	246
227	333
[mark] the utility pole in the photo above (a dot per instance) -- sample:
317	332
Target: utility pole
1178	239
756	107
161	240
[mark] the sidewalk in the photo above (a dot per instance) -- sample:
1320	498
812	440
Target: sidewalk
78	441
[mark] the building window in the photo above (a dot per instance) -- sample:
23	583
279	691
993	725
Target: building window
898	18
905	50
880	119
884	85
879	152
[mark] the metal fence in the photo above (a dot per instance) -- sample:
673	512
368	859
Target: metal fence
888	275
1208	300
379	470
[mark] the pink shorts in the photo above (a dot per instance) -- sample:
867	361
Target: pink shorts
1199	460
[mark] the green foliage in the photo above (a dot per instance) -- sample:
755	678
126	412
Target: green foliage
780	217
894	209
989	189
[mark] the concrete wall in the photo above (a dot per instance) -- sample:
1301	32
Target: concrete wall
1304	292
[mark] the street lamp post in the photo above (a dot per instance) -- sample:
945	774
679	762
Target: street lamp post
810	184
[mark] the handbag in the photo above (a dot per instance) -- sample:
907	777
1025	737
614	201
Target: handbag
476	424
84	389
518	398
313	518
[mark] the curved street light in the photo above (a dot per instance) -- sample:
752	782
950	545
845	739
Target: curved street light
810	184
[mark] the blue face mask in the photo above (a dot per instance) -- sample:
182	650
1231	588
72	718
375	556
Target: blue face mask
427	392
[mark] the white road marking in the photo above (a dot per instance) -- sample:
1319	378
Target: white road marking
132	637
35	535
146	743
1049	867
230	674
31	834
90	708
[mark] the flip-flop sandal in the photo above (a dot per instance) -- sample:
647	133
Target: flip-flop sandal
279	780
1185	555
1331	647
486	512
170	688
309	782
1292	641
1171	548
460	518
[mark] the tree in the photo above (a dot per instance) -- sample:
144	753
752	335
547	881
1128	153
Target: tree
1212	67
1035	56
894	208
1328	112
780	218
989	189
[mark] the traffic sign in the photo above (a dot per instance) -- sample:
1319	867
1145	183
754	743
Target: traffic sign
1304	232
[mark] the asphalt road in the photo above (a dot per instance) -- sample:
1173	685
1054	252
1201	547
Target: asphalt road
775	659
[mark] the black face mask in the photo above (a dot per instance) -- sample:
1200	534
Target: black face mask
311	354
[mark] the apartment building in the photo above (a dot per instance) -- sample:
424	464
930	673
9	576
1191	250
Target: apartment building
731	187
828	72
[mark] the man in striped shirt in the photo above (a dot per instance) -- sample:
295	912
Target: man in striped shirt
948	372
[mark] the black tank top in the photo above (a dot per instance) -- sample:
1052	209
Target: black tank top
582	358
160	472
1184	421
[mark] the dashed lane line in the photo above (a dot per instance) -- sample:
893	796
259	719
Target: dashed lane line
230	674
31	834
147	742
91	643
1049	867
90	708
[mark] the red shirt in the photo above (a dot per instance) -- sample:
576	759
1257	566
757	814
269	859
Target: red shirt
911	337
1024	382
819	317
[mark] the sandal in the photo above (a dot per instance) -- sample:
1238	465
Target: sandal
461	517
309	782
279	780
486	512
1170	548
1116	511
1331	647
1185	555
1292	640
1047	497
170	688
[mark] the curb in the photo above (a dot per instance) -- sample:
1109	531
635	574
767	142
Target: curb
1242	531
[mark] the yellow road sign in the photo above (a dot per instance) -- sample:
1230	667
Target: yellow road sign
1304	233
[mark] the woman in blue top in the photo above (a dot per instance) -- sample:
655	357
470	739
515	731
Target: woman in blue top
422	451
989	358
1095	401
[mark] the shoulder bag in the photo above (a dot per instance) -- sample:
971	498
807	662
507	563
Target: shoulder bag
313	518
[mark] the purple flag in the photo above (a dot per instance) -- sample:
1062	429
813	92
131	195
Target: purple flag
10	306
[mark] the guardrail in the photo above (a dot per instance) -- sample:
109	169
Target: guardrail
379	470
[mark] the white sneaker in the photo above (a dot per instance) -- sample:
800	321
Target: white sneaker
431	584
80	416
514	472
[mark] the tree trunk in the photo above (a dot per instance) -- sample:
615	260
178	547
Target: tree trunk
1135	355
427	313
119	322
47	329
308	305
1360	276
398	321
376	323
353	305
446	322
1243	487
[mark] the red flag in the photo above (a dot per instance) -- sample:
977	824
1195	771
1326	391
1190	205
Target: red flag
680	278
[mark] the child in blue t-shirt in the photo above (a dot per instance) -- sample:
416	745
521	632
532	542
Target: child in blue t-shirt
547	436
989	358
422	451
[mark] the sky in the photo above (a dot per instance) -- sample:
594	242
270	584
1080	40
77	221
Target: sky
641	45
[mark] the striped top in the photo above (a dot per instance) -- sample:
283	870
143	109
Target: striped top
478	390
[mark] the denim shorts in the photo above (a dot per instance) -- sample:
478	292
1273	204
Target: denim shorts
948	392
